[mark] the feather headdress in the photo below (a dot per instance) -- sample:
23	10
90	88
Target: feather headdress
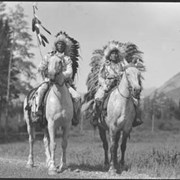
71	50
129	51
98	58
134	55
112	45
92	79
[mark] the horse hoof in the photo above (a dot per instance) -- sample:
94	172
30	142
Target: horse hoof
61	168
29	165
47	164
52	172
112	171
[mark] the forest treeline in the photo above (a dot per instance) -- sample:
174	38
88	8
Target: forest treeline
16	66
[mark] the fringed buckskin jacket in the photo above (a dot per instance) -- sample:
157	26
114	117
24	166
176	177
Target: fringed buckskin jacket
67	66
109	73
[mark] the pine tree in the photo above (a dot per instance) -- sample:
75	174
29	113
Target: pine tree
22	66
2	10
15	57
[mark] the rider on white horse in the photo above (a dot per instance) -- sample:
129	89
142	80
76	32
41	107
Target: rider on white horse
109	74
61	46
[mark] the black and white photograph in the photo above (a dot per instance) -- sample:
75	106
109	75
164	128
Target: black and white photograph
89	90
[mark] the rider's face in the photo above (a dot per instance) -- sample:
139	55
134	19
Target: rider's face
60	46
114	56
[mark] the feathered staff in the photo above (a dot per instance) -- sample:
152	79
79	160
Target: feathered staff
36	23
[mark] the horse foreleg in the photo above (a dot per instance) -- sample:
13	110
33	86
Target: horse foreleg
123	148
116	145
51	129
31	133
113	149
64	144
46	146
102	134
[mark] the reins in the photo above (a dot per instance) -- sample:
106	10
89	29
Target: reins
129	88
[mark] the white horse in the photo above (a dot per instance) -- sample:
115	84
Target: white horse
120	116
58	113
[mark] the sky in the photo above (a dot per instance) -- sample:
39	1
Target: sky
153	26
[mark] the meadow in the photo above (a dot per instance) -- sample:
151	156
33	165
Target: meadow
148	155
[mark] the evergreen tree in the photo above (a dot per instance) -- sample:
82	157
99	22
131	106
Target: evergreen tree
2	10
15	57
22	67
5	37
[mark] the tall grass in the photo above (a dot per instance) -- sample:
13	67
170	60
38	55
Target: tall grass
157	154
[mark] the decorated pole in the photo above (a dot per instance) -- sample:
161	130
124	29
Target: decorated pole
36	24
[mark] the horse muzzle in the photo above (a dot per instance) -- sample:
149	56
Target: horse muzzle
136	92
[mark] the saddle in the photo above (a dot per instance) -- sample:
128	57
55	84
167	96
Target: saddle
103	106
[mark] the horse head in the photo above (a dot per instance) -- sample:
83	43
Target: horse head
133	77
54	67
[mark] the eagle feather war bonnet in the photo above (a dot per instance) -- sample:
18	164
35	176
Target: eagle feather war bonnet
71	50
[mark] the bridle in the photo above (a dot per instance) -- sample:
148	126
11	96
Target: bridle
129	88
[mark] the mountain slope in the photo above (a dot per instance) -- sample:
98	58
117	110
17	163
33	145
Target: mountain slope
171	88
170	85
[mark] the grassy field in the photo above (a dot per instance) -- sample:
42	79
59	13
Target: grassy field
154	154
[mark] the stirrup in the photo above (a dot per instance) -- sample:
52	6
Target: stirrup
75	122
137	123
94	119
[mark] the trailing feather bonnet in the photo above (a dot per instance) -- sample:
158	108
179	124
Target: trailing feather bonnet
71	49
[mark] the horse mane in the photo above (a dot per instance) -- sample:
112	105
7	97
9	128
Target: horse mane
137	67
132	52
